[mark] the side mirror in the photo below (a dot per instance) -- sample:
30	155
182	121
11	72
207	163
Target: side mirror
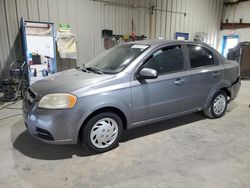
147	73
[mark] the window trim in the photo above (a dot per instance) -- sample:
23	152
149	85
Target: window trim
215	58
145	59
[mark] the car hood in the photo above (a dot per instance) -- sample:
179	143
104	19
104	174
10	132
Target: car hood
67	82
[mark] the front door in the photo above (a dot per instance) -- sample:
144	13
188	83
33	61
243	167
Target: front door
166	95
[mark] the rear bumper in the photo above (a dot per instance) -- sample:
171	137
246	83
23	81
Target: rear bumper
234	88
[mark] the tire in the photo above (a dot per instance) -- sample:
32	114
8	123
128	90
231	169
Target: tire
102	132
220	99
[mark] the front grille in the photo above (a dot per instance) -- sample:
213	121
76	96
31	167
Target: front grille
43	134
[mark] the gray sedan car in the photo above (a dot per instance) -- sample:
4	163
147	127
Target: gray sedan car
127	86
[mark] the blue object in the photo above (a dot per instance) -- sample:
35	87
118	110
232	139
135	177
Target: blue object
182	35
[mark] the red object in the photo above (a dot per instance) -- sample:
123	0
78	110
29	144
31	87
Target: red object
133	34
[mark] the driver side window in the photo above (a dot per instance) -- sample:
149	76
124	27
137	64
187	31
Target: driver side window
166	60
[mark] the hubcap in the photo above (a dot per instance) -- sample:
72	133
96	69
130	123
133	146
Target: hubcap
104	133
219	104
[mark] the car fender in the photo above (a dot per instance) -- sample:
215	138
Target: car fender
103	101
221	84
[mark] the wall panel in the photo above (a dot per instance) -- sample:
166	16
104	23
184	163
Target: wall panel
43	10
33	10
4	43
234	14
202	16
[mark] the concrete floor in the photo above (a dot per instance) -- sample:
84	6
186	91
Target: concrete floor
189	151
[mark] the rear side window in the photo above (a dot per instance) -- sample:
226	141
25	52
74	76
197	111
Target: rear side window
166	60
199	56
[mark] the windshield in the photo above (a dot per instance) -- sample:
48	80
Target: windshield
116	59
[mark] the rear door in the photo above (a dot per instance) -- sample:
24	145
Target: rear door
155	98
205	73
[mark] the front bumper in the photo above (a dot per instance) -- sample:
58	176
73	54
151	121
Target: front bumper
50	126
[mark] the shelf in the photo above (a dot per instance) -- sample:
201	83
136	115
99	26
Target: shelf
234	25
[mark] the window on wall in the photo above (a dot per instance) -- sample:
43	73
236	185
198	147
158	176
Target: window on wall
200	56
166	60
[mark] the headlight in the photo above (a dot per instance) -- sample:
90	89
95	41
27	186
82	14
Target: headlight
58	101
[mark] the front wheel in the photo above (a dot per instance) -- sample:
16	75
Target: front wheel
217	106
102	132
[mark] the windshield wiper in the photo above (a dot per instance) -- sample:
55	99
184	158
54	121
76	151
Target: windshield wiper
93	69
82	69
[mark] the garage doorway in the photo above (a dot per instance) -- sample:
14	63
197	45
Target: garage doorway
229	41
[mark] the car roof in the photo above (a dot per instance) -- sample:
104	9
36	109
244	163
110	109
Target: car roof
159	42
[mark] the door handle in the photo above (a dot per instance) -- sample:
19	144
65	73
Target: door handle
215	74
178	81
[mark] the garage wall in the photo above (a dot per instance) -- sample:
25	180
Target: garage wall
234	14
87	19
202	16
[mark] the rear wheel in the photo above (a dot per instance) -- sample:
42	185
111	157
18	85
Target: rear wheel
102	132
217	106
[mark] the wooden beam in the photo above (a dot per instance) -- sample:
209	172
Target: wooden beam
234	25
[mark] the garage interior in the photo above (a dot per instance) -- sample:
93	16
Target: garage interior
188	151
